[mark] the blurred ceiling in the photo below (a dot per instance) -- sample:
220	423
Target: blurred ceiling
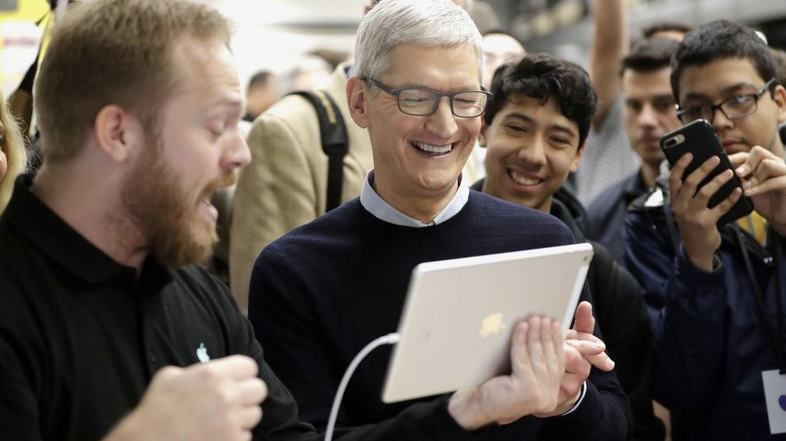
293	13
757	13
540	23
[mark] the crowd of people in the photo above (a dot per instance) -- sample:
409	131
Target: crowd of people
115	326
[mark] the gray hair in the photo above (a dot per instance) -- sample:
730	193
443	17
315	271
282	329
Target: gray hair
420	22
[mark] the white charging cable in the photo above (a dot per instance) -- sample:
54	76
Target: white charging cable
389	339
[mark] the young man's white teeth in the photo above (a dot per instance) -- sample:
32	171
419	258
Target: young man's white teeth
522	179
433	148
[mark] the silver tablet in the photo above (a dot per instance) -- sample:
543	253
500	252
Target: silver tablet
457	320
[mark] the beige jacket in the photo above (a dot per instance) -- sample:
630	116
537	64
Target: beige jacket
285	185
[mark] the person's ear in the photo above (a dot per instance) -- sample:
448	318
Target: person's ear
116	132
357	98
779	96
574	165
482	134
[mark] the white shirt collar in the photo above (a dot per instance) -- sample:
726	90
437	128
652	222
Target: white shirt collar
383	211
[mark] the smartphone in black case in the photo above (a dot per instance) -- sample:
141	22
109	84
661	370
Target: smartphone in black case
699	138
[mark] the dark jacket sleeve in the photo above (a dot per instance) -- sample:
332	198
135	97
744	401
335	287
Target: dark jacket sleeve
623	320
606	217
649	256
689	350
688	310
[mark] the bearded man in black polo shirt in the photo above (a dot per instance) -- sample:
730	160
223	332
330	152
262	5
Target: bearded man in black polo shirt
138	105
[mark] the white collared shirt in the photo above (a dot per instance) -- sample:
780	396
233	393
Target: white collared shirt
379	208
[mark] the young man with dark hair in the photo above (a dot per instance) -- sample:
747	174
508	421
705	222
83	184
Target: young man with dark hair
534	135
719	290
648	114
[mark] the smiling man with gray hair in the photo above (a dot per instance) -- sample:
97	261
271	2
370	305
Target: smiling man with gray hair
322	292
107	328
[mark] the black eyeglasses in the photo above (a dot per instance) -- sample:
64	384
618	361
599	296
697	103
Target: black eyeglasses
733	108
423	102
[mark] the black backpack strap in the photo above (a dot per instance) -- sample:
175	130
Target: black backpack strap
335	143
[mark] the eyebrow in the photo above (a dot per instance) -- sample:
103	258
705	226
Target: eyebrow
728	90
663	96
420	86
563	129
552	126
520	116
230	103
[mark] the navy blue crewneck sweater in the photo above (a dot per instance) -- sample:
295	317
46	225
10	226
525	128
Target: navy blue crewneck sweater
322	292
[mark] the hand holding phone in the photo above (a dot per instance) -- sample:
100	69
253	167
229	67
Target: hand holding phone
698	138
763	173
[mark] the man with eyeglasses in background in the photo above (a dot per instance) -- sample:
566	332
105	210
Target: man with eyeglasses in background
320	293
719	338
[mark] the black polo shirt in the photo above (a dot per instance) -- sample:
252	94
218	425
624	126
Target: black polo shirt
81	335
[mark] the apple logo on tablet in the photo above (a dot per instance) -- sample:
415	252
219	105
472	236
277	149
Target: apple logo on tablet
492	325
782	401
201	353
